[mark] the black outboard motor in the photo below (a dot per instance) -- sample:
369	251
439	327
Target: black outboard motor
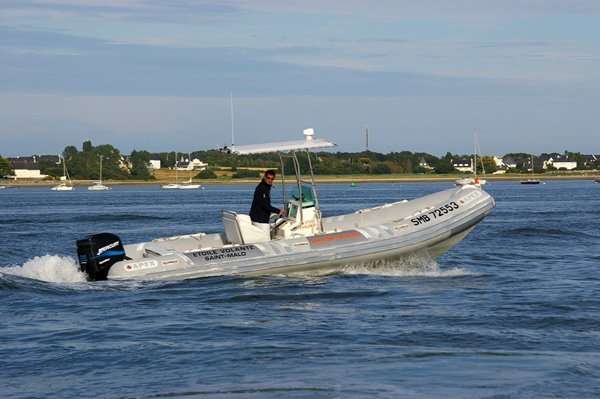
98	253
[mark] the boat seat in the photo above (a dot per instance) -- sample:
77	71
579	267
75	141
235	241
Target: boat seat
240	230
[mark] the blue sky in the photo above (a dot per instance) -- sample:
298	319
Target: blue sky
422	76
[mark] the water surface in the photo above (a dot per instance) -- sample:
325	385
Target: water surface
512	311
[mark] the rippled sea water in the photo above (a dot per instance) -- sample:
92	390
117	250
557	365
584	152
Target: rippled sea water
512	311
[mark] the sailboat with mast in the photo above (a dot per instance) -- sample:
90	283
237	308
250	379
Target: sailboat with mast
531	180
172	186
66	183
188	184
474	180
98	186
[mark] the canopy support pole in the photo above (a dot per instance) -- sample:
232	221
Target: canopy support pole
282	178
299	184
314	190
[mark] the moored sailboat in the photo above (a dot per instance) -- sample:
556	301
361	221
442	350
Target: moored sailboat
172	186
66	184
98	186
188	184
475	180
531	180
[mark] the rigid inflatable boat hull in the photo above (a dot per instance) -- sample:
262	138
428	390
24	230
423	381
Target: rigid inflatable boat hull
412	233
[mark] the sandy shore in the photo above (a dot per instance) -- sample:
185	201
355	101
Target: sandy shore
320	179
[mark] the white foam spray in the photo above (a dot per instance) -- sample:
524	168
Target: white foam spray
416	265
50	268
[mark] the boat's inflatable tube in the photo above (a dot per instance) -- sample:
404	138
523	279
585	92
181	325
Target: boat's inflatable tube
97	253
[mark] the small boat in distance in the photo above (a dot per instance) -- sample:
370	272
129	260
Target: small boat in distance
62	187
188	185
597	180
172	186
473	180
98	186
470	180
531	180
2	187
66	184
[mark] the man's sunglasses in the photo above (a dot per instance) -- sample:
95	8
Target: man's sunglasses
270	177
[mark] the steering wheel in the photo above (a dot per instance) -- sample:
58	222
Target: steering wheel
275	221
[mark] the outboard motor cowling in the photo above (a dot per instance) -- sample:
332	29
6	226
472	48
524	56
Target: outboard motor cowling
97	253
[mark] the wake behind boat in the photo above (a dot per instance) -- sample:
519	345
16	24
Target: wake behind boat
302	241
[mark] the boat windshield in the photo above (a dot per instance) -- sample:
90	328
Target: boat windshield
308	197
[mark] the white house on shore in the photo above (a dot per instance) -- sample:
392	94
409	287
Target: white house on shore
194	164
568	165
423	164
154	164
463	165
509	162
28	167
559	161
500	166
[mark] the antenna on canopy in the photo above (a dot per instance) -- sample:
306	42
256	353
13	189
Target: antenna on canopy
308	134
232	125
475	153
478	150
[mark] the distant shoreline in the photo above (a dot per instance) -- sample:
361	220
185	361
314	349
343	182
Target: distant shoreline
319	179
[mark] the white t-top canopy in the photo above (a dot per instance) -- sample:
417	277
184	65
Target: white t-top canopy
309	143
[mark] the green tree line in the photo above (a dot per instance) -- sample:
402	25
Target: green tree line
328	163
84	163
5	169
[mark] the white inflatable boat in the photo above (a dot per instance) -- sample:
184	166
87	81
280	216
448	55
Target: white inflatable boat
303	241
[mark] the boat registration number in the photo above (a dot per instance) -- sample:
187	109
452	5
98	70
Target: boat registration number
435	213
